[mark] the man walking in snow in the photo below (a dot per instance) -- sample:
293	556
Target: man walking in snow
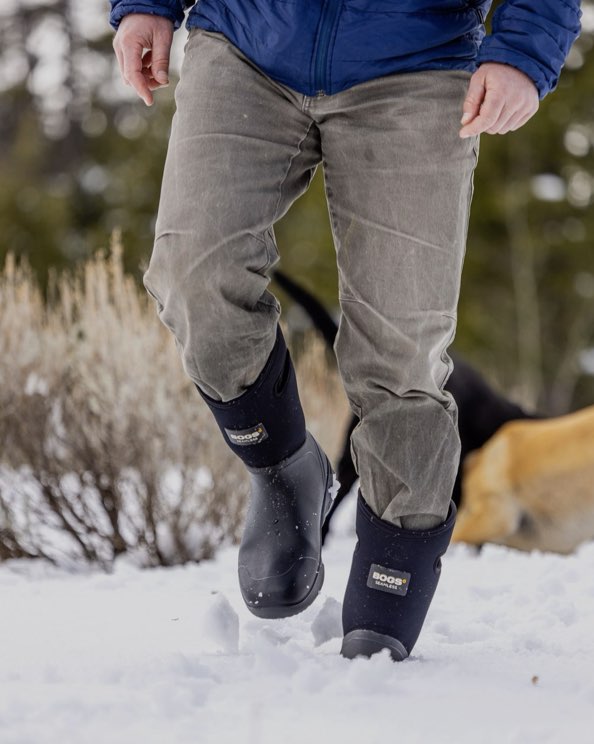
374	90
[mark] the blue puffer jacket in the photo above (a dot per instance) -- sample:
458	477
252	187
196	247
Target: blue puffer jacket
328	45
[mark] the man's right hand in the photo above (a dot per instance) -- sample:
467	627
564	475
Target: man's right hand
142	45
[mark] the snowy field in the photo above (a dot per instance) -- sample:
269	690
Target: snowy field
171	655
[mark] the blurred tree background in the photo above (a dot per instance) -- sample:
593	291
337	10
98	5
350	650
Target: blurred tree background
81	156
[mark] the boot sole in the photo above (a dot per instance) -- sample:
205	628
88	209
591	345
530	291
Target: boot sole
368	642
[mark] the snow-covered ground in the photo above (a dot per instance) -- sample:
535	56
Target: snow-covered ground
171	655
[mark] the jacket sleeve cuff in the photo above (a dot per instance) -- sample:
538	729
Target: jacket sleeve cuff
171	9
504	55
534	36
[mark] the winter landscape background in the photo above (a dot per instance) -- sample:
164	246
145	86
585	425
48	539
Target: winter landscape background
120	615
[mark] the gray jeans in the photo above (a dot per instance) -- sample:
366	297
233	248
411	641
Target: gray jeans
398	182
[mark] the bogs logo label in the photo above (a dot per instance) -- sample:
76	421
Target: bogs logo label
388	580
243	437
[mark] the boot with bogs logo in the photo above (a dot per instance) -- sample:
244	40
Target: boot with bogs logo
292	488
393	578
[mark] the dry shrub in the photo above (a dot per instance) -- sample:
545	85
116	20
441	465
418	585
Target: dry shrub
106	447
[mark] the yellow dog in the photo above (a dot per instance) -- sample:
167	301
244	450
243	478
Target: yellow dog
532	485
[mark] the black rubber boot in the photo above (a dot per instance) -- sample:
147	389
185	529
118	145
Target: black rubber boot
393	578
280	557
292	487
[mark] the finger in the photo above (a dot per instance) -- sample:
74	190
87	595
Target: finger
120	58
149	79
141	85
147	71
153	84
474	98
518	119
489	114
160	58
513	122
523	117
148	74
133	71
499	126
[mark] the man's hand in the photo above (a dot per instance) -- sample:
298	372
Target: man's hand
500	99
142	45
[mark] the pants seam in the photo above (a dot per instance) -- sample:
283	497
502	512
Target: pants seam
284	179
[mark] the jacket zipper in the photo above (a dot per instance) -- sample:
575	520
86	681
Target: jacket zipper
328	18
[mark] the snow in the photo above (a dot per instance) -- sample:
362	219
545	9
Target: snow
172	655
328	622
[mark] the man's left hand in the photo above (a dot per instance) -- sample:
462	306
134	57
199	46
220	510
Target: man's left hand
500	99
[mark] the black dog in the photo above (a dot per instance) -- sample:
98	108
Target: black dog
481	411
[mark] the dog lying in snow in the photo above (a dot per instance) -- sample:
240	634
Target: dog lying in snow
481	411
532	486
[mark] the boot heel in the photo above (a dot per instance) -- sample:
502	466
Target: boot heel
368	642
